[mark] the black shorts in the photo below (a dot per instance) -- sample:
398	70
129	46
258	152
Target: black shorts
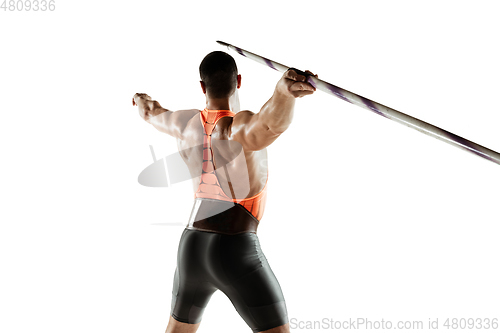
234	264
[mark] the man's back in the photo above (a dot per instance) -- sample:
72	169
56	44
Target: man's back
245	170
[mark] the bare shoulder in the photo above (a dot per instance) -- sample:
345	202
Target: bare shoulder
251	133
183	118
242	118
244	115
240	122
173	122
187	114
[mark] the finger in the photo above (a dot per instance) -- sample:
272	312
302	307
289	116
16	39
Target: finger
305	93
292	75
300	86
300	94
309	72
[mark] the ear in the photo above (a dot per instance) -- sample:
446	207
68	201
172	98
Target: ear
203	87
239	81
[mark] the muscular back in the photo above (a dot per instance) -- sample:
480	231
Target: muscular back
245	169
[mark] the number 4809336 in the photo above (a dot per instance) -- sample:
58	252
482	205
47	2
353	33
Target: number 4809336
27	5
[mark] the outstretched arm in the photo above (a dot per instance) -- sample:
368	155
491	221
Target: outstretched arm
257	131
166	121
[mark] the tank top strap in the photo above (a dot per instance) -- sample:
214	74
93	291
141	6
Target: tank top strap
209	118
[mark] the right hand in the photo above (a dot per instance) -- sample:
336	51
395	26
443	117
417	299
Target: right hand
296	85
139	100
137	96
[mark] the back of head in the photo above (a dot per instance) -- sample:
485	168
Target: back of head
219	73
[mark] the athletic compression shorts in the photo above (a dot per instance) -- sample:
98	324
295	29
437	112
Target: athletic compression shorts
233	263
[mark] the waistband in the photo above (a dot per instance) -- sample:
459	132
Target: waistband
221	217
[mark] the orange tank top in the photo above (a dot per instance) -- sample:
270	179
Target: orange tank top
209	187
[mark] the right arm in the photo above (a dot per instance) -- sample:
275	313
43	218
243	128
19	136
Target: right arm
257	131
166	121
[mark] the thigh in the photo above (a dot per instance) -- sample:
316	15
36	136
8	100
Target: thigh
252	286
189	300
191	290
258	299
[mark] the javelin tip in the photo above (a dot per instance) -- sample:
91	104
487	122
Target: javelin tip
222	43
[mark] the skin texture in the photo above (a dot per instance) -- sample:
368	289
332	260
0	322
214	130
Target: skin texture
239	142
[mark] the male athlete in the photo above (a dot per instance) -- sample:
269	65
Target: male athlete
225	151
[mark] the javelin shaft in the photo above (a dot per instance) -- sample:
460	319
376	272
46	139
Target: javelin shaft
380	109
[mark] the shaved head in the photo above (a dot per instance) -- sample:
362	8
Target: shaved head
219	73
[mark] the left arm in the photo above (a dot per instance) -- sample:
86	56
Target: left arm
166	121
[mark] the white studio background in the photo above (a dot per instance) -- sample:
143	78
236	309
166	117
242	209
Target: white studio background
365	217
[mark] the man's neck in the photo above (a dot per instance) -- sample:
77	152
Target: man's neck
218	104
231	103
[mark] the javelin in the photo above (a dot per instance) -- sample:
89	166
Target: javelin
379	109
